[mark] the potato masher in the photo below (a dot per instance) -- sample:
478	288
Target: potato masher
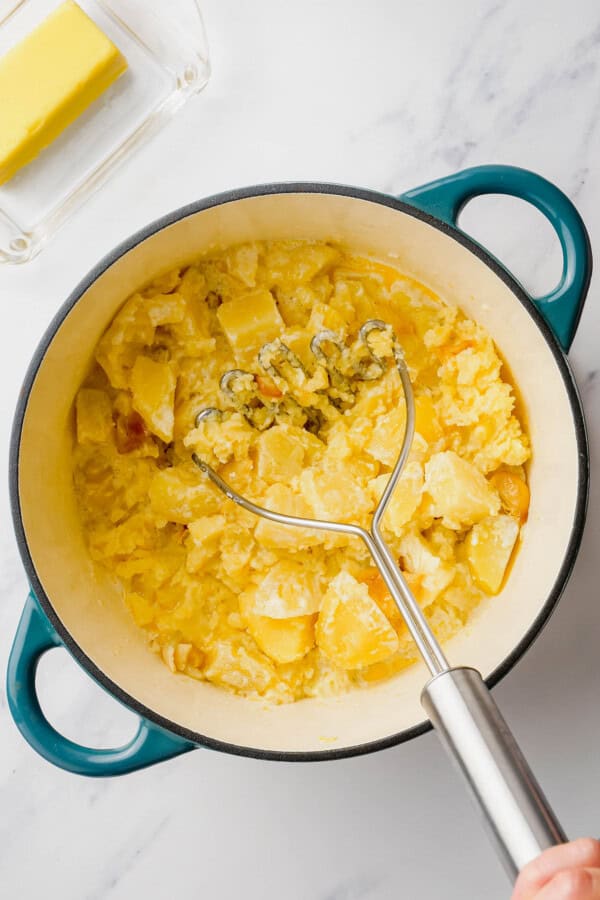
456	698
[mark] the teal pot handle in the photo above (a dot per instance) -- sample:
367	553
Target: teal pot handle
445	198
35	636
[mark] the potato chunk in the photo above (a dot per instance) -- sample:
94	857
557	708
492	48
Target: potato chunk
386	439
166	309
242	262
280	455
432	575
352	631
238	665
489	546
227	440
281	498
333	495
427	423
180	496
249	322
93	414
153	395
461	495
293	263
129	332
204	538
405	499
142	608
283	640
288	589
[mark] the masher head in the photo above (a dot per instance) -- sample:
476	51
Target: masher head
291	391
377	346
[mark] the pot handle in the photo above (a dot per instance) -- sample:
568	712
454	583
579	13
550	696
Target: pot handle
35	636
446	197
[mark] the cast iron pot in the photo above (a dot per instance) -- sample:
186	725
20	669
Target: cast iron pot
74	605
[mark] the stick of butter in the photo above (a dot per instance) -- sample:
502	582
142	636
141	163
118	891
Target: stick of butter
49	79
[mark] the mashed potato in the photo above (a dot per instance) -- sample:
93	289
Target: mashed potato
258	608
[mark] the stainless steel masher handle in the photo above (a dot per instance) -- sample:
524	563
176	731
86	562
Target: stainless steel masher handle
463	712
456	700
461	709
472	729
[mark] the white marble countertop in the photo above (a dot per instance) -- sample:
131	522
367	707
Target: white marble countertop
384	95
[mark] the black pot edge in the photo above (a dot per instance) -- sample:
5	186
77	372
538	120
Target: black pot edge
241	194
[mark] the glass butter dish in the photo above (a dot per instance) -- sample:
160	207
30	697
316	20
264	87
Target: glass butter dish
167	56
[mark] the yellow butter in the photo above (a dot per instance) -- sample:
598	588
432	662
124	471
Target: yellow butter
48	80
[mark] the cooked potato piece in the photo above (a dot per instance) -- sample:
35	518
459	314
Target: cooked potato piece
302	262
163	284
157	567
461	495
333	495
180	496
250	321
283	640
434	576
153	395
288	589
281	498
489	545
191	333
204	534
207	528
228	439
142	608
427	423
405	499
385	669
379	592
352	631
235	551
239	666
93	416
129	332
179	656
166	309
279	455
242	262
386	439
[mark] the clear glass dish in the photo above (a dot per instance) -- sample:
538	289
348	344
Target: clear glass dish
167	55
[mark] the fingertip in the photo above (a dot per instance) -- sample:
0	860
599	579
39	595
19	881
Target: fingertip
570	884
589	851
581	853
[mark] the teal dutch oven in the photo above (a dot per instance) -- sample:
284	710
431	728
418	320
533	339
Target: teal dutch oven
74	605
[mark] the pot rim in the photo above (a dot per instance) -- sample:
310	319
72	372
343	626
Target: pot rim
232	196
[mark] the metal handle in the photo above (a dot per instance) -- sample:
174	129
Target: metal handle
456	700
480	742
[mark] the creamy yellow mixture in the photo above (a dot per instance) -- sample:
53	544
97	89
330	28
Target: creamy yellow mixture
267	610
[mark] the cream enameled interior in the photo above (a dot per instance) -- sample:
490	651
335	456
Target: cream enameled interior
90	606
